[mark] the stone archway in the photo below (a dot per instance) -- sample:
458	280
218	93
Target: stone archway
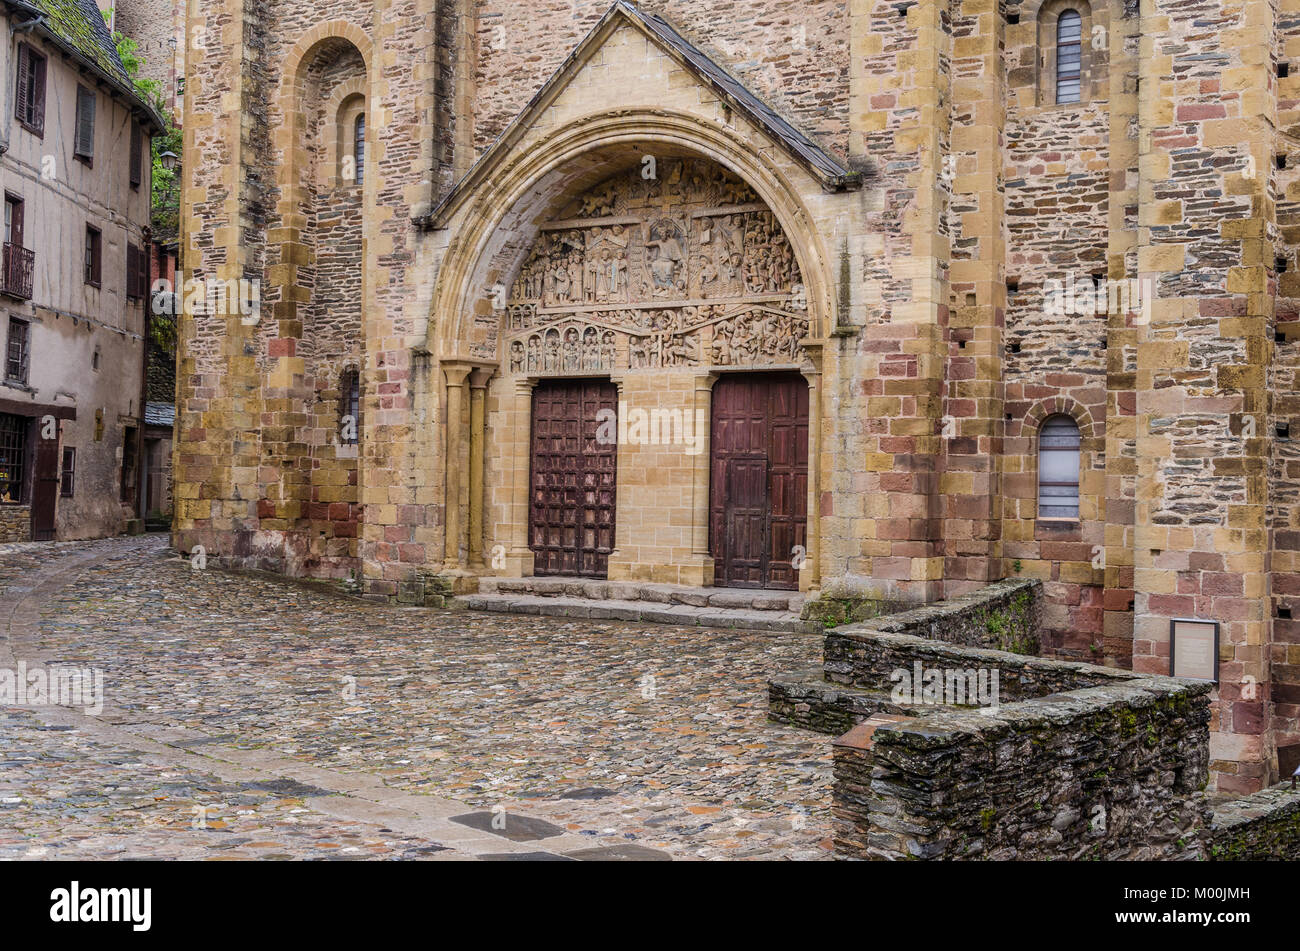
645	261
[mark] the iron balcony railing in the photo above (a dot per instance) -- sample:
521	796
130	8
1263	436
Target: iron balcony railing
19	263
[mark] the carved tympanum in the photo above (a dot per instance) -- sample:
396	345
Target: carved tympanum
685	269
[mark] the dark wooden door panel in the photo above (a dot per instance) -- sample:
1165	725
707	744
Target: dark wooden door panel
571	519
759	480
45	484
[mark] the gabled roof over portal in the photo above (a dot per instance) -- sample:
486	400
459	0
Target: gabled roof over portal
821	164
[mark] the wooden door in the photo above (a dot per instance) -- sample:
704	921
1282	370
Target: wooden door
759	485
572	509
45	484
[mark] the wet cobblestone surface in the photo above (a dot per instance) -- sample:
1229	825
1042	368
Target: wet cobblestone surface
618	734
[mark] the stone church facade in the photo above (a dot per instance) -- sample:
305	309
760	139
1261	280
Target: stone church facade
885	300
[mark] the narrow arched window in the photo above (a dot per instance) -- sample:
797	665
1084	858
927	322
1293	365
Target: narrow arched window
350	408
1069	56
1058	468
359	147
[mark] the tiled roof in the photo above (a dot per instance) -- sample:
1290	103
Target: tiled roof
79	27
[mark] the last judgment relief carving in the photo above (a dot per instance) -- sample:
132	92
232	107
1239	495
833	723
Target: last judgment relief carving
685	267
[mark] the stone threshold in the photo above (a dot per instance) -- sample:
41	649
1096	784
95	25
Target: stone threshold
757	599
757	610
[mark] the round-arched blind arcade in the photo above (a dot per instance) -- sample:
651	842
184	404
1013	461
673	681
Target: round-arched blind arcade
672	265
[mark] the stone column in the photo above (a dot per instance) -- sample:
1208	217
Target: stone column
517	448
478	382
810	577
455	428
701	557
973	417
879	517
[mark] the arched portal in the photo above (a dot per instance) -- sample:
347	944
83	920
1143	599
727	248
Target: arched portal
641	273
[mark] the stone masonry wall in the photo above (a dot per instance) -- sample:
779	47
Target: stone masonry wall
793	55
1108	772
15	523
1006	615
1257	828
867	659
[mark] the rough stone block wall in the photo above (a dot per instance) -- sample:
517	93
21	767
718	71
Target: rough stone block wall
1006	615
1284	385
867	659
795	56
15	523
1109	772
1260	827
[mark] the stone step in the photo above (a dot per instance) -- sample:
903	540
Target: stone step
620	609
742	599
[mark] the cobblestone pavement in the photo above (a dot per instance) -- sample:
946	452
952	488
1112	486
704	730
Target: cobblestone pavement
247	717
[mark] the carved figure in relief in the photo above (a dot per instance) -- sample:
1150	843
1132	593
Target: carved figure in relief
516	357
608	351
534	355
572	356
680	352
551	361
643	354
591	350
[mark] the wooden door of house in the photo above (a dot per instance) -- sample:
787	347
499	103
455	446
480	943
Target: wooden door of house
759	480
45	484
573	475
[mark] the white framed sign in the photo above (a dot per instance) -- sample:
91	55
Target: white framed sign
1194	649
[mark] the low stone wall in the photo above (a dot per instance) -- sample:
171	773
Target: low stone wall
15	523
810	703
862	657
1263	826
1108	772
1005	615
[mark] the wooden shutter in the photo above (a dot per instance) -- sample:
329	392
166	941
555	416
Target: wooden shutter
24	82
137	154
85	147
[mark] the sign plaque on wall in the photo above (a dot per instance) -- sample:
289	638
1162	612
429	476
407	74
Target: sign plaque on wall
1194	649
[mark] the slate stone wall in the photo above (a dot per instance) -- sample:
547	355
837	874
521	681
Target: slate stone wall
1005	615
1108	772
1259	827
15	523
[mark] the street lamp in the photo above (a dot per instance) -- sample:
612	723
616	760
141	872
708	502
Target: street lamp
169	160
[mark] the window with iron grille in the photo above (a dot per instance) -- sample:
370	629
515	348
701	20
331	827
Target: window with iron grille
17	351
350	408
13	456
1069	56
68	475
359	147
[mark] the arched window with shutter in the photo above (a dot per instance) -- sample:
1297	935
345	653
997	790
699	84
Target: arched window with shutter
1058	468
1069	56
